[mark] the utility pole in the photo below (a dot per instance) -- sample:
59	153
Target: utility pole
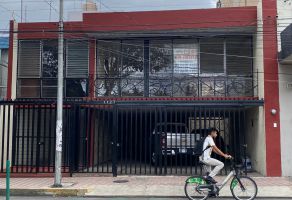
59	122
21	10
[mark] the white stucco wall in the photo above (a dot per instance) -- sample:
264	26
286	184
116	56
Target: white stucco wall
7	127
285	77
14	63
3	72
256	117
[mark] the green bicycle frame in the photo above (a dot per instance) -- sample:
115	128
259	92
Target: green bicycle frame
197	180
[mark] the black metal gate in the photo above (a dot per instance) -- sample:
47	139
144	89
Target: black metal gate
159	139
134	138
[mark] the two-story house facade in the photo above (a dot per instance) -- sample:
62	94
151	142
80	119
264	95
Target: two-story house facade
135	71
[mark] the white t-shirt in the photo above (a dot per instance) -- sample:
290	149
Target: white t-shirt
208	142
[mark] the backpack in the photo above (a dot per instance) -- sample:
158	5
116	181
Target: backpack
198	150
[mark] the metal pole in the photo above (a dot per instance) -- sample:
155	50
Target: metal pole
59	122
21	10
7	179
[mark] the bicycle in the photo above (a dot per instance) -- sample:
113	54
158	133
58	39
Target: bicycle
239	186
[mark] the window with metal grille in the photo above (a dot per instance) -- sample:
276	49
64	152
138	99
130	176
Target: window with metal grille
132	72
77	59
239	66
38	69
77	68
28	88
185	67
49	68
212	56
239	56
29	56
29	69
161	68
108	68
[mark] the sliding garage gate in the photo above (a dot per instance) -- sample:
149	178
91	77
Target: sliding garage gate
145	138
159	140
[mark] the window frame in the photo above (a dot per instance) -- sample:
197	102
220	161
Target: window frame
146	46
203	75
41	78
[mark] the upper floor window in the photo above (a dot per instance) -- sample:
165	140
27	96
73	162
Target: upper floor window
108	68
186	67
139	67
120	68
212	56
161	68
38	69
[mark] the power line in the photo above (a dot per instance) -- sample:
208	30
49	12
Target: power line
208	43
51	7
12	12
84	25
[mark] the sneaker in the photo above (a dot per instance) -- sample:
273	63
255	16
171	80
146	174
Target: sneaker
210	180
211	194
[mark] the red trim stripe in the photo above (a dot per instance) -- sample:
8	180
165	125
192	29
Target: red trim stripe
271	94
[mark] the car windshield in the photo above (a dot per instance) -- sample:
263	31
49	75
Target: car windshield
173	128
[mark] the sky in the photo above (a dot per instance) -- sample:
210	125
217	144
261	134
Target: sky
40	10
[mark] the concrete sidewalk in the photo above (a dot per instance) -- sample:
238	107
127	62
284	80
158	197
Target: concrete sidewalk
133	186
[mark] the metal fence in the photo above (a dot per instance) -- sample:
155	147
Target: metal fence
160	140
142	138
183	85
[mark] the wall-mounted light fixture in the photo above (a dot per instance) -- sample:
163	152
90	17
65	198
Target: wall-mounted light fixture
273	111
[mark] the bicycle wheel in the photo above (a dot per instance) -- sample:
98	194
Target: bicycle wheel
191	189
247	192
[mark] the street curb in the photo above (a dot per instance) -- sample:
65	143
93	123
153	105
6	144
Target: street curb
46	192
175	197
82	193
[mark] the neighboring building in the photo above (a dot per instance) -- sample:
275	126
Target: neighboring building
3	66
284	30
283	22
201	68
237	3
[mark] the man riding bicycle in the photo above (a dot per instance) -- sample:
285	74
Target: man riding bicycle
209	147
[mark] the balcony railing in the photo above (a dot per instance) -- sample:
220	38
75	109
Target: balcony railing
183	86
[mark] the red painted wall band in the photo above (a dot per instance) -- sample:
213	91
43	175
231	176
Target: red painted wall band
271	89
144	21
